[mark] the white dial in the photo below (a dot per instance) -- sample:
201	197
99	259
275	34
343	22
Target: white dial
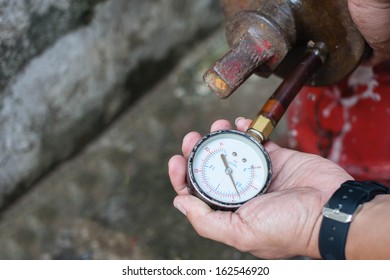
228	168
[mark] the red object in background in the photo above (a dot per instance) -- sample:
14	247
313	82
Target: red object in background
349	123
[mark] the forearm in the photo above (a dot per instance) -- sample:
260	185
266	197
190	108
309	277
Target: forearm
369	233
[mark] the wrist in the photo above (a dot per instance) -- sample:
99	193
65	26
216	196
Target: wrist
368	236
312	248
340	211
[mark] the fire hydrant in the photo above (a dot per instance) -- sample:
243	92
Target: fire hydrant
342	112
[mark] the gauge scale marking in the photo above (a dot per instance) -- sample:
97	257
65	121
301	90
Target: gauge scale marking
227	168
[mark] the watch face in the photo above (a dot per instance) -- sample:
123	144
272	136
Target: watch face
228	168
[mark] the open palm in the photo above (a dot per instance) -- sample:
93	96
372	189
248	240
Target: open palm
284	222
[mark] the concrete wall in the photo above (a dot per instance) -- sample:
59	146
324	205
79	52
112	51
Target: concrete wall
69	67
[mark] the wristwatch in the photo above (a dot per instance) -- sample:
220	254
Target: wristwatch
338	213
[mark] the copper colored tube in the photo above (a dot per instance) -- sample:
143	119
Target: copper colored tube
275	107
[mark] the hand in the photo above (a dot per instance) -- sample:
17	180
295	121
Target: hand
282	223
372	18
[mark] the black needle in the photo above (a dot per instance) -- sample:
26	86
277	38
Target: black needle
229	172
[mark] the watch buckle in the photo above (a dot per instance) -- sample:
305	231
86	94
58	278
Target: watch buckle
339	216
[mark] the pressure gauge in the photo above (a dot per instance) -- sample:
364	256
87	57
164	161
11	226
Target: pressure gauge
227	168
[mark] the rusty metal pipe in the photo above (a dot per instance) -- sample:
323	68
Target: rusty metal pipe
260	45
227	74
280	29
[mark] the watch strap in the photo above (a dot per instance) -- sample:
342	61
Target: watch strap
338	214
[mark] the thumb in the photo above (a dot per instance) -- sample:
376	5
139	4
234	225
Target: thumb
215	225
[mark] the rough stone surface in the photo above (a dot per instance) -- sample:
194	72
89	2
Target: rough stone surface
114	200
67	68
28	27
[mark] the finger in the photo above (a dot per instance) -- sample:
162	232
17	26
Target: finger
215	225
189	142
242	124
220	124
371	18
177	170
271	146
279	157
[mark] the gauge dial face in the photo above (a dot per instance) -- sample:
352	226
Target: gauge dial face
227	168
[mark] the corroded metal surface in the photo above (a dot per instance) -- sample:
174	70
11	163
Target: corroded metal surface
287	26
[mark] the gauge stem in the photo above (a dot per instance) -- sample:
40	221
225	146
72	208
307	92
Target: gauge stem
275	107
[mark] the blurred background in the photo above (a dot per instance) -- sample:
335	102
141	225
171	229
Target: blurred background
95	97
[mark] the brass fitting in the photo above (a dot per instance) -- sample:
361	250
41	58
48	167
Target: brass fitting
261	128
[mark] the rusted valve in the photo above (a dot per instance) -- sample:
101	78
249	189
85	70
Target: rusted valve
270	36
